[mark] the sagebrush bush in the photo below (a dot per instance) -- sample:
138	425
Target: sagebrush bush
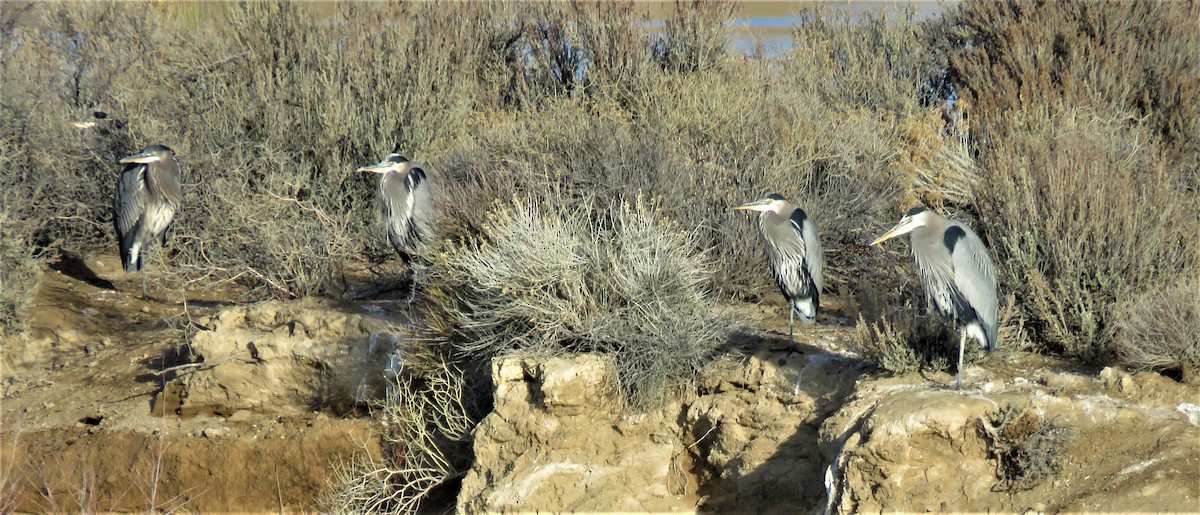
1085	213
18	273
1159	329
546	279
1141	58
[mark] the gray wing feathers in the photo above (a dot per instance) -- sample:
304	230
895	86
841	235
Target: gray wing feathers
813	254
130	200
794	254
975	276
407	209
937	273
167	182
393	206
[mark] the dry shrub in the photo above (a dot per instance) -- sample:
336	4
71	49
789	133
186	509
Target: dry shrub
1084	212
876	60
546	279
694	37
430	409
271	105
1027	449
18	272
1159	329
1139	57
1086	116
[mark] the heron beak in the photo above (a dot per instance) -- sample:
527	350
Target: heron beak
143	158
905	226
81	125
757	205
378	168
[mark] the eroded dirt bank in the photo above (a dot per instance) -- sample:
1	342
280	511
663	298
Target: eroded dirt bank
102	410
842	441
105	408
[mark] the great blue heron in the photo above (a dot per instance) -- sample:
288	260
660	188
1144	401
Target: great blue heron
406	202
148	196
794	255
958	274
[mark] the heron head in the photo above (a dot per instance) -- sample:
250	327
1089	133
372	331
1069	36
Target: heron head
393	162
919	216
773	202
150	154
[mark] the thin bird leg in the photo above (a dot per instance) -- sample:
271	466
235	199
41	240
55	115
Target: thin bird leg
145	266
962	341
791	338
418	275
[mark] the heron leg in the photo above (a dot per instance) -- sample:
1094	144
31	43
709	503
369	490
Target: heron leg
418	276
791	333
962	341
146	256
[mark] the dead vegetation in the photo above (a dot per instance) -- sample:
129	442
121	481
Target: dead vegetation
428	414
1086	117
1027	448
1158	330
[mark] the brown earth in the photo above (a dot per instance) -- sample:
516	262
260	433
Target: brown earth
102	409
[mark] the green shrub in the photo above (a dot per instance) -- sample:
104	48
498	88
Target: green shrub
1159	329
547	279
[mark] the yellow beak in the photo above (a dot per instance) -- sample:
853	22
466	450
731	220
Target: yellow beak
142	158
901	228
757	205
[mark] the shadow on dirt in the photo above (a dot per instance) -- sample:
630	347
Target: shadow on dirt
72	265
809	385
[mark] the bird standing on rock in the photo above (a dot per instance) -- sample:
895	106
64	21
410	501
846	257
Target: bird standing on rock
794	254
